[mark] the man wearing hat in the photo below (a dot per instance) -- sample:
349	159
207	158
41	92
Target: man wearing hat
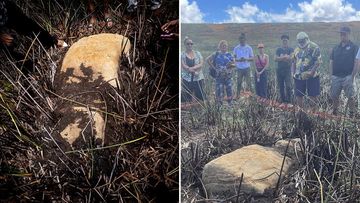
305	62
283	71
243	56
343	70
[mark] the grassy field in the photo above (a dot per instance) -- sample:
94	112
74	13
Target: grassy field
208	132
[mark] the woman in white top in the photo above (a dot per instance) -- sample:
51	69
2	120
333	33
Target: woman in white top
192	76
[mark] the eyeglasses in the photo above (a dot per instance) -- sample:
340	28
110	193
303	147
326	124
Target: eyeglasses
189	43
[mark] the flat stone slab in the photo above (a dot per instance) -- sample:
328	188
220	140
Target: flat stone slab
260	166
99	54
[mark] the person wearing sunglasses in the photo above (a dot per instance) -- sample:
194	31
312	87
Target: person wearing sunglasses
305	63
223	62
191	73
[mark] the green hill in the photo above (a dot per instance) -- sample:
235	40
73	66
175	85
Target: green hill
207	36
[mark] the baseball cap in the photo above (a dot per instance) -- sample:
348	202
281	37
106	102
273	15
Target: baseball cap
345	29
301	35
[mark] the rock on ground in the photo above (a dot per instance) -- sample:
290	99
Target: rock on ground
260	166
90	65
101	53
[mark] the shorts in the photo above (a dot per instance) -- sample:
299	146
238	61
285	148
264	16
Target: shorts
342	83
310	86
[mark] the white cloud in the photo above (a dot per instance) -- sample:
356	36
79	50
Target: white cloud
190	13
314	11
246	13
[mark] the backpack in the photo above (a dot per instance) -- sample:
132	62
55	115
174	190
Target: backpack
212	70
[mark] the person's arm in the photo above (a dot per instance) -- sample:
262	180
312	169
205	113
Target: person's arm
317	55
356	68
251	56
293	64
356	65
266	64
277	57
331	67
198	66
183	64
210	60
331	62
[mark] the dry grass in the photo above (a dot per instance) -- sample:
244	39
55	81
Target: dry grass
325	168
140	160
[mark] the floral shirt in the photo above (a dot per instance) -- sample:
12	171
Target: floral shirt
221	60
186	75
305	59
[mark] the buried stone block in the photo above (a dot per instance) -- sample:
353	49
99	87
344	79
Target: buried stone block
89	66
259	165
95	57
82	120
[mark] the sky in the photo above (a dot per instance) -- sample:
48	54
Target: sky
263	11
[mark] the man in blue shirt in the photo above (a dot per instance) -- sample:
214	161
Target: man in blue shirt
243	54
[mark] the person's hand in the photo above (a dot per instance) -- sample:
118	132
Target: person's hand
286	57
349	79
7	39
171	36
170	30
192	70
307	74
170	26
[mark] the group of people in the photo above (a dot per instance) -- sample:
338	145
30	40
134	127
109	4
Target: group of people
299	66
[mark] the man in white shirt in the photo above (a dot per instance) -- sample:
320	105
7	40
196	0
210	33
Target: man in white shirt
243	54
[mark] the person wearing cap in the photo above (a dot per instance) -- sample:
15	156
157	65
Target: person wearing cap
343	69
261	65
283	70
243	54
192	75
223	62
306	59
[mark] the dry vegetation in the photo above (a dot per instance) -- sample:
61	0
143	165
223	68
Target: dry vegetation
139	162
326	168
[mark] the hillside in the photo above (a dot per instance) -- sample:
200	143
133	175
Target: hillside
206	36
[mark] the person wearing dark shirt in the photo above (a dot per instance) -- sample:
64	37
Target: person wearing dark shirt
343	71
283	71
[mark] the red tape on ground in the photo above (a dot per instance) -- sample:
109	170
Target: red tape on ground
278	105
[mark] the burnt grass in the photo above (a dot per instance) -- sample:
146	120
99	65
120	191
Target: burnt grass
139	161
325	169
